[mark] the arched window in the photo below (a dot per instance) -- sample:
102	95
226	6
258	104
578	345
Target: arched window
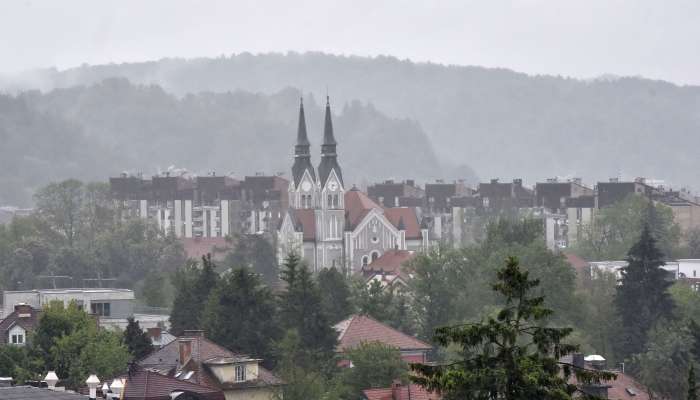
330	201
374	255
364	261
336	203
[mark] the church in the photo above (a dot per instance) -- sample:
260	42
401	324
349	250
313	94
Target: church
329	225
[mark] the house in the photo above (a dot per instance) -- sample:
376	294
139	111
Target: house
144	384
15	328
397	391
623	387
388	269
159	337
359	329
196	359
110	306
37	393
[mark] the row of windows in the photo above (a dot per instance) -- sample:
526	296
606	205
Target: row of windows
17	339
373	256
101	309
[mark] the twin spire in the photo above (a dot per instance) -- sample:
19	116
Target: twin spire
302	154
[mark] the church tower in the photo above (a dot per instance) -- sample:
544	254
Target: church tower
330	212
303	189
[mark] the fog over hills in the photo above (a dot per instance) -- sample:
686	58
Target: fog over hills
498	122
100	130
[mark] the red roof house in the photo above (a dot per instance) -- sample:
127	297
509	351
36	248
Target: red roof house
143	384
359	329
388	269
14	329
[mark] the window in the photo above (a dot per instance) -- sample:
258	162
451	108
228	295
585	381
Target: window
364	261
375	255
336	203
239	372
101	309
330	201
18	339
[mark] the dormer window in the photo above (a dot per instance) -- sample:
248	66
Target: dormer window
239	373
18	339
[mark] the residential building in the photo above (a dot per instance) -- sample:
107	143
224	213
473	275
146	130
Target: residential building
112	307
144	384
397	194
388	269
195	359
498	196
330	226
202	206
15	328
358	329
399	391
37	393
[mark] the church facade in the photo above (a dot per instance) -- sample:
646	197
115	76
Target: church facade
332	226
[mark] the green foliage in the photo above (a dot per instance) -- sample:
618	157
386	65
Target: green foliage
642	297
598	320
240	314
692	384
254	252
390	305
375	365
663	364
335	294
616	228
299	369
153	289
511	356
136	340
55	322
19	363
192	284
301	309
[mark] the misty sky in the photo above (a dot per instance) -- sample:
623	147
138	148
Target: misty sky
652	38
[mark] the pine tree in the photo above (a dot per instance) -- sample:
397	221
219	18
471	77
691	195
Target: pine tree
136	340
642	297
240	314
692	385
301	309
514	356
192	285
335	294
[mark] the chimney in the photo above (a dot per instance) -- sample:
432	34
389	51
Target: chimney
185	347
578	360
154	333
193	333
23	310
93	383
494	181
410	182
518	182
51	379
396	390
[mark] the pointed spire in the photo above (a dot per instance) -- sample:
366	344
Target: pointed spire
302	138
328	138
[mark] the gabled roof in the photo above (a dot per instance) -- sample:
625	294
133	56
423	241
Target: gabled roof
408	216
391	261
304	220
357	205
403	392
35	393
169	355
27	323
359	329
144	384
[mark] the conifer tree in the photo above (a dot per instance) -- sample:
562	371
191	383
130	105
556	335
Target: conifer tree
301	310
136	340
335	294
513	356
240	314
193	284
692	385
642	297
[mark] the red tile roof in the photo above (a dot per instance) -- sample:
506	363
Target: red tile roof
409	218
403	392
149	385
357	205
578	263
195	248
27	323
391	261
618	389
358	329
305	221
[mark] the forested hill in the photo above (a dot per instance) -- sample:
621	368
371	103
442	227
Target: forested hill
97	131
499	122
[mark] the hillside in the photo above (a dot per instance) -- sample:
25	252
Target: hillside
499	122
96	131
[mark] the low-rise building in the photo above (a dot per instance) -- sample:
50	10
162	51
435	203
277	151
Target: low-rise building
15	328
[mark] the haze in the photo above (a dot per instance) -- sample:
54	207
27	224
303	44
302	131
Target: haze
581	39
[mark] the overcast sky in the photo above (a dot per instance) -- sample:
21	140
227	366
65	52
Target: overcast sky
652	38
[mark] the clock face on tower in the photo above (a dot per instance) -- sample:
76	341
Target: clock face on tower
333	186
306	186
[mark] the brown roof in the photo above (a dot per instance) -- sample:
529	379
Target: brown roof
304	221
578	263
358	329
196	248
618	389
149	385
391	261
403	392
409	218
357	205
167	361
28	323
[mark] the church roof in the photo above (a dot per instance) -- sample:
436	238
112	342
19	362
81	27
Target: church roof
329	157
302	155
304	221
407	215
357	205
